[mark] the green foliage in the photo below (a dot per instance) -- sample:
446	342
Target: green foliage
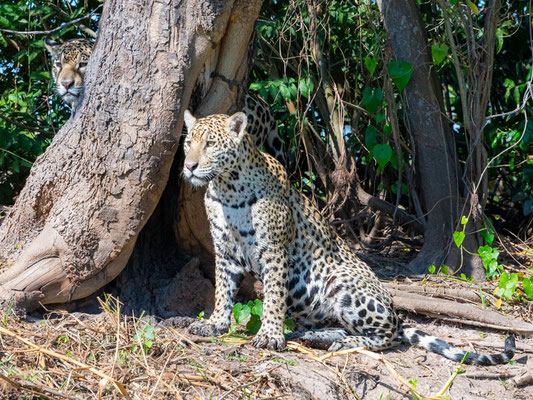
458	238
400	73
382	153
371	63
372	99
489	256
439	52
507	285
254	311
30	114
145	338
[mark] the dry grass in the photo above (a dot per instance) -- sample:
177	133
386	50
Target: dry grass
114	356
109	356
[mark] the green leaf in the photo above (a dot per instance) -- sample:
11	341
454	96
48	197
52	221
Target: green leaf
431	269
528	287
237	311
507	285
371	64
289	326
254	324
240	312
303	87
400	73
464	220
500	34
458	238
371	134
489	237
489	256
149	332
257	308
382	153
444	269
439	52
372	99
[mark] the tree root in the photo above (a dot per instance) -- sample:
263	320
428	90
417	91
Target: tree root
467	314
462	295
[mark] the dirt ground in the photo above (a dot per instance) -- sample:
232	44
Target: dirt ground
76	355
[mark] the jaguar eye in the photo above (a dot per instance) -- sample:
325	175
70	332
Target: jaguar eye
82	64
209	143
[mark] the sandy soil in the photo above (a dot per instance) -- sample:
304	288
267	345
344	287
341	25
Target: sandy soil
178	365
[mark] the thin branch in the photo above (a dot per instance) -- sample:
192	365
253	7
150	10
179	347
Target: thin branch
26	127
83	28
62	26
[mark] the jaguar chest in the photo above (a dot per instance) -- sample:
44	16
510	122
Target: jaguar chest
232	222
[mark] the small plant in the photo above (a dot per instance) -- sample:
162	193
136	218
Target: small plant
254	310
5	315
508	284
468	279
63	339
238	357
443	269
413	382
283	361
200	317
145	337
489	256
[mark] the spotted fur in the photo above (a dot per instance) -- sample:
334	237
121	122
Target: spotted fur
262	127
69	63
261	224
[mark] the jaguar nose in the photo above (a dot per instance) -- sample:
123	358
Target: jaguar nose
67	84
191	166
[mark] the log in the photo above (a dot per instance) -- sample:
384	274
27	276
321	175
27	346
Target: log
461	313
462	295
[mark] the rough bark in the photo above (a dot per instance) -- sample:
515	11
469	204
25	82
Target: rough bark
436	163
76	222
220	85
179	225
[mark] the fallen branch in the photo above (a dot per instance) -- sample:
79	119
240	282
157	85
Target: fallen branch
375	203
523	380
489	375
462	295
465	314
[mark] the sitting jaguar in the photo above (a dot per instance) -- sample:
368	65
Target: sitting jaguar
70	60
261	224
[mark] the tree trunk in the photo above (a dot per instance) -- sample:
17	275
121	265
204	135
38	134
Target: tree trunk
435	161
76	222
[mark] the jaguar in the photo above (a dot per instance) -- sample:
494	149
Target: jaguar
263	225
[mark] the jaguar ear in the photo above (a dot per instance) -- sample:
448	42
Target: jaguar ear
51	45
237	125
189	120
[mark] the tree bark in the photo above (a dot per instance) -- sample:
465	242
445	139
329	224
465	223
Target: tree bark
76	222
435	161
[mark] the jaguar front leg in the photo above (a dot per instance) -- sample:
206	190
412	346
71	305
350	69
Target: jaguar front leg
275	291
228	277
